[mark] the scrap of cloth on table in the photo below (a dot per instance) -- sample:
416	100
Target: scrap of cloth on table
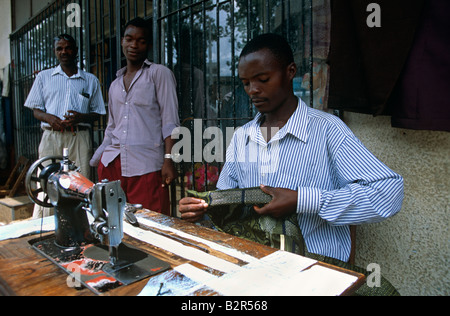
231	211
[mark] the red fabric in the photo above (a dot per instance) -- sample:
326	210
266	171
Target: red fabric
146	189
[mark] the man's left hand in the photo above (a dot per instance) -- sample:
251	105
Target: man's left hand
72	118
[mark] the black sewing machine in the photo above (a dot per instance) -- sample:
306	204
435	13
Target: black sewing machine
89	250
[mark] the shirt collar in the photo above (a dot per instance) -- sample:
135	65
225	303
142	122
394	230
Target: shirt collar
58	71
296	126
121	71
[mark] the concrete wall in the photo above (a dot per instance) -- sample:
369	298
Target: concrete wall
5	30
412	248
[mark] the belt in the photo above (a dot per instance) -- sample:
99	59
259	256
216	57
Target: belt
232	211
249	196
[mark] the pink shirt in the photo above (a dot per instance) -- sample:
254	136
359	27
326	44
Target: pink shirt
139	120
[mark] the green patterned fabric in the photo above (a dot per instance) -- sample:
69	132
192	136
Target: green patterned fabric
231	211
250	196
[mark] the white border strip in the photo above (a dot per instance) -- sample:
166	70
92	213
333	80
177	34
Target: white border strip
226	250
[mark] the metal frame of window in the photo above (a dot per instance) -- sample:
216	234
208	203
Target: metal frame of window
260	16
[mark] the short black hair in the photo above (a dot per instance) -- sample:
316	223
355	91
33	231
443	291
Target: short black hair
66	37
139	22
277	44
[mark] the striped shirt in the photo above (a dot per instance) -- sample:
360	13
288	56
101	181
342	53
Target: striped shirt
55	93
339	182
139	120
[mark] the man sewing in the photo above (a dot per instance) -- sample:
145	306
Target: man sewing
67	100
143	112
307	160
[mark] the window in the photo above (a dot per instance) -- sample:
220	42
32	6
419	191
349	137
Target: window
201	42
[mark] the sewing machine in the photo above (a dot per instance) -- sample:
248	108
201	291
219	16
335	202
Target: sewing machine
80	245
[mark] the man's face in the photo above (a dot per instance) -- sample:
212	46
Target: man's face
66	52
265	80
135	44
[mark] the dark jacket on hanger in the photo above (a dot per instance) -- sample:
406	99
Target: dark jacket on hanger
401	68
366	62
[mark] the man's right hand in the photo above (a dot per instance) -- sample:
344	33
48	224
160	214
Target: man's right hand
55	122
192	209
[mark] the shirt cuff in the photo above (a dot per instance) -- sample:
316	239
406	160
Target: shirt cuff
309	200
169	129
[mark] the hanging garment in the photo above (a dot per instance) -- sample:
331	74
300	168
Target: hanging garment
421	100
366	62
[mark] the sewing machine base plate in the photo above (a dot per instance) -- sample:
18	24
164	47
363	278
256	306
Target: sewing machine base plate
89	265
125	272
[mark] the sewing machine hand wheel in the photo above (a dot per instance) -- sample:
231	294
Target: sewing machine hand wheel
37	176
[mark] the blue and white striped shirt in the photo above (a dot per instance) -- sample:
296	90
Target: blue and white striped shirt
339	182
55	93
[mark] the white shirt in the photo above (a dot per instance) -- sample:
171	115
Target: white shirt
55	93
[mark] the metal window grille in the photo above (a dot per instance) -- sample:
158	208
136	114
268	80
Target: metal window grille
200	40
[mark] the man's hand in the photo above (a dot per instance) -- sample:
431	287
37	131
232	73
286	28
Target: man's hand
55	122
72	118
284	202
192	209
168	172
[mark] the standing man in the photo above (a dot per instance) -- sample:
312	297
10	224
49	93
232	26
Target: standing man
67	100
143	112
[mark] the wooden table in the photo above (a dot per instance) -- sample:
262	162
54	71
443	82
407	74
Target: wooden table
25	272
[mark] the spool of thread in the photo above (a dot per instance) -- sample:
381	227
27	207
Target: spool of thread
66	159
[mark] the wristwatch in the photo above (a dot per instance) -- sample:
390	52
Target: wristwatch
174	158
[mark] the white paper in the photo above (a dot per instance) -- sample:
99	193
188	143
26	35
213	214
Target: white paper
271	276
283	274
